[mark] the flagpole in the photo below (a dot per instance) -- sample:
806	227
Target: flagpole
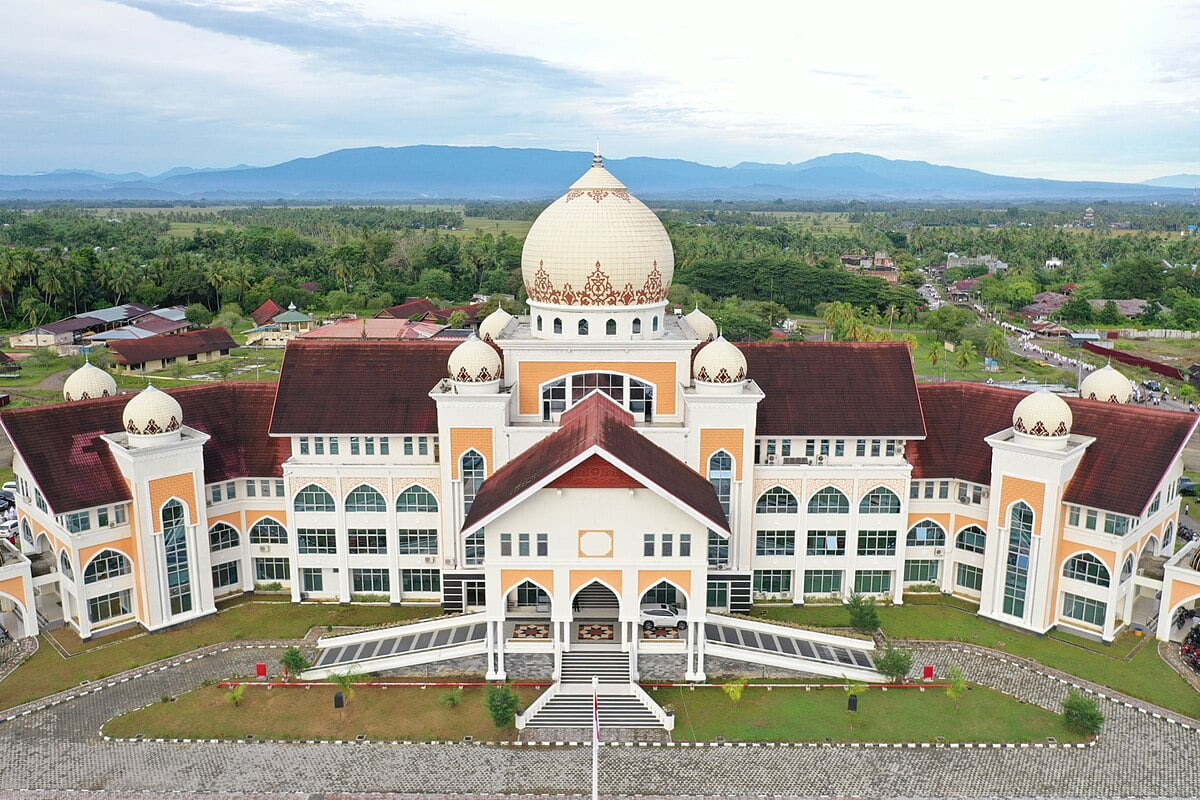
595	738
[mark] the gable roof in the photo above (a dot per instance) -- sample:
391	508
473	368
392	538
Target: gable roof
61	443
835	388
263	314
411	306
380	386
139	351
1118	472
597	427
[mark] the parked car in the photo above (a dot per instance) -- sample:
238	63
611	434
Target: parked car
10	487
1187	486
1153	386
9	528
662	615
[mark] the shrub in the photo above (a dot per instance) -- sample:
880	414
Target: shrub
345	683
895	664
293	661
734	689
452	698
235	694
502	704
364	597
1082	714
273	586
864	614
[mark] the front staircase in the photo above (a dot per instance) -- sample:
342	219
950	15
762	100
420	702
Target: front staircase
578	667
568	703
575	711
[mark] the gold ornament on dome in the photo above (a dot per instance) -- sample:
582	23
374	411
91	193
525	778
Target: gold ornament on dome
598	290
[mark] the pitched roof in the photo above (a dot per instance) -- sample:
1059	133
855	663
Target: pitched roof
263	314
597	426
835	388
376	328
411	306
1118	472
381	386
443	314
61	443
139	351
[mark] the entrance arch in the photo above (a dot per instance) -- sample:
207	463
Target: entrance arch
663	611
14	616
595	613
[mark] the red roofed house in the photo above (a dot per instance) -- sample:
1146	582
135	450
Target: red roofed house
411	307
266	312
159	352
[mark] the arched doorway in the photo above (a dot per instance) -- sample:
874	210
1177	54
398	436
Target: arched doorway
13	615
527	612
595	609
662	612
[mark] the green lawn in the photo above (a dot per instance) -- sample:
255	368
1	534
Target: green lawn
48	672
409	713
900	715
1145	675
1012	366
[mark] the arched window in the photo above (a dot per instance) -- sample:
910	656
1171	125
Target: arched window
654	323
475	549
539	322
365	498
879	501
926	534
971	538
314	498
416	498
1016	574
175	548
610	328
557	325
583	327
531	595
64	565
26	532
829	501
1127	569
637	325
1086	567
720	475
471	468
222	536
1168	536
268	531
107	564
777	500
630	393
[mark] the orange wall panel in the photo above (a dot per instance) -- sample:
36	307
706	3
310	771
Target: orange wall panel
582	577
730	439
15	588
1182	591
682	578
509	578
464	439
163	489
532	374
1032	492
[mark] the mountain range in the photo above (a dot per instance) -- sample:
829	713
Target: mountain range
431	172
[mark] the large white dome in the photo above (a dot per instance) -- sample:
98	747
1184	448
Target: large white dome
1043	414
474	361
1106	385
89	381
152	413
597	245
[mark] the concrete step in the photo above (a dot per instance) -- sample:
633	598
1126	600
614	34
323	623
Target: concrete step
567	711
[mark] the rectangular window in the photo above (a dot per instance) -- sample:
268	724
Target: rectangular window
914	490
316	540
718	549
775	543
422	445
475	593
648	545
272	569
969	577
303	445
772	581
369	445
668	545
1116	524
370	580
1084	609
225	574
685	545
875	448
408	445
825	447
810	448
264	488
944	490
385	446
367	541
826	543
964	492
419	542
860	448
839	447
251	489
1091	518
231	490
822	581
1074	516
891	448
215	493
333	445
872	581
976	494
314	579
102	517
506	544
928	490
1156	502
77	521
543	545
920	571
319	445
420	580
109	606
476	548
355	446
877	543
523	545
119	514
717	595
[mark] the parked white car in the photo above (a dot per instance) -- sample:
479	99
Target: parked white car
662	615
10	486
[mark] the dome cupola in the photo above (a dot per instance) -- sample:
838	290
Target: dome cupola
152	417
1043	416
474	366
89	381
719	363
1106	385
702	324
494	324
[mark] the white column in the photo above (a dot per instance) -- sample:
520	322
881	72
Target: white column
700	638
634	642
492	673
500	673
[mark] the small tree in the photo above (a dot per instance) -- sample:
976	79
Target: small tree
458	319
1082	714
198	314
734	689
224	368
293	662
235	694
864	614
958	683
895	664
502	704
345	683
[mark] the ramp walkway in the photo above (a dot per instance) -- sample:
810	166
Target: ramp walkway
399	646
797	649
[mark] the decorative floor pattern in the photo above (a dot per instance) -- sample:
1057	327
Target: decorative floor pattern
597	632
531	630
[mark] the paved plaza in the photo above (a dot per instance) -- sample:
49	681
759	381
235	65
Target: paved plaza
56	748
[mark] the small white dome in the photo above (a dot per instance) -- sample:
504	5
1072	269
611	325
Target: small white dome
493	324
474	361
1106	385
702	324
89	381
151	413
720	362
1043	414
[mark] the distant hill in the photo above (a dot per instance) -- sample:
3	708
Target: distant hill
1184	180
431	172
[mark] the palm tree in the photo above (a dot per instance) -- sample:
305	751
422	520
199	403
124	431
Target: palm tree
935	355
911	340
214	274
995	344
964	355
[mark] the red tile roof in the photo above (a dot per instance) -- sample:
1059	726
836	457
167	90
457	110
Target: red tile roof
139	351
160	325
263	314
411	306
835	388
1118	472
357	386
597	421
443	314
61	443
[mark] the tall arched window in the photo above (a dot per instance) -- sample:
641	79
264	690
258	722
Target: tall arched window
776	500
610	328
829	501
629	392
1016	574
416	499
64	565
107	564
720	475
26	532
268	531
972	539
879	501
557	325
637	325
583	327
926	534
471	469
1127	569
1086	567
539	322
175	547
1168	536
313	498
222	536
654	323
365	498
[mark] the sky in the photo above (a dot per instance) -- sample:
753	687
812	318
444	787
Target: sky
1100	90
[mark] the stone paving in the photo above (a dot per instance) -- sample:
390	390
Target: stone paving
58	748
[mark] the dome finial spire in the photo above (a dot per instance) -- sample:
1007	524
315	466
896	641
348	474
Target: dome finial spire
597	159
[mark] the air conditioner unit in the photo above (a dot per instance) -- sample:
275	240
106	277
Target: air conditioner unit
113	524
264	548
771	460
449	562
822	459
939	551
430	559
